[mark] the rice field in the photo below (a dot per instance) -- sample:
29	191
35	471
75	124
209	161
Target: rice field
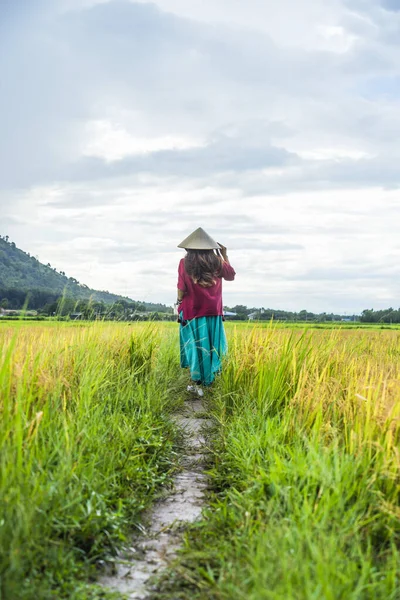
85	442
305	471
303	467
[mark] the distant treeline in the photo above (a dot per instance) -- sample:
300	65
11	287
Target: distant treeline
48	303
266	314
13	298
388	315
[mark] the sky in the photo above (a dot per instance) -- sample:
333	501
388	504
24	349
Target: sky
275	126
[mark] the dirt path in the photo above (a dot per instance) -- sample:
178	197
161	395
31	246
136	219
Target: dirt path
151	551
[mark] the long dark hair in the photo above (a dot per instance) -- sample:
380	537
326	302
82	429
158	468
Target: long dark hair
203	266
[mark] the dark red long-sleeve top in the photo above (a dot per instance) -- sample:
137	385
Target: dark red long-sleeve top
201	301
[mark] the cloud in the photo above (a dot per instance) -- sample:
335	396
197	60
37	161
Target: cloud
148	77
219	156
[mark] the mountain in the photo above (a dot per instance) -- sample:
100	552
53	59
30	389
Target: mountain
21	274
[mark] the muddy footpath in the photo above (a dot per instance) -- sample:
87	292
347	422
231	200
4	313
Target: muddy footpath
151	550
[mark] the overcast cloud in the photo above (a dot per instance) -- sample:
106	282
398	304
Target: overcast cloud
274	125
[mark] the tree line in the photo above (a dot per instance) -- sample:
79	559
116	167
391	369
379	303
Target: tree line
388	315
51	304
48	304
266	314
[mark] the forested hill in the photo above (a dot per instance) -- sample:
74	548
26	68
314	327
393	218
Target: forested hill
21	274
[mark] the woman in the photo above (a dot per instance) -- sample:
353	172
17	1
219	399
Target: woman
199	305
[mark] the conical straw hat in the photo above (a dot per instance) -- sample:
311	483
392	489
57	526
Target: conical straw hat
199	240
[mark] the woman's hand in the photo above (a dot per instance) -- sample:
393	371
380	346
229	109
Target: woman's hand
223	252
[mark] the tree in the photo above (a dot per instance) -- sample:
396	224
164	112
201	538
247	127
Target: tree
368	316
241	311
65	306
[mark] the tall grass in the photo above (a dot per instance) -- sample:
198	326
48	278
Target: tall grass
85	441
305	471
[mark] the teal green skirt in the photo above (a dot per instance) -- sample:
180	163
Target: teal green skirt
203	344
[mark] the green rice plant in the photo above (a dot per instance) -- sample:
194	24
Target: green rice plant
86	440
305	471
